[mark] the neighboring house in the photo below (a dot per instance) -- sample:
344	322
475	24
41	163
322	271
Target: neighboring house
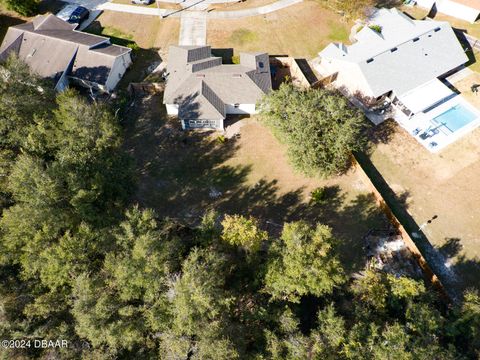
401	64
53	49
468	10
201	91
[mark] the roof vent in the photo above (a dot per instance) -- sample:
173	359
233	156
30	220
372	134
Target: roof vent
237	75
200	75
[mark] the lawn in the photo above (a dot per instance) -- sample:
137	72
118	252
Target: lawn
146	31
301	30
183	174
445	185
148	35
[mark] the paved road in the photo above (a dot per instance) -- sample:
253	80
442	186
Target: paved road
198	5
193	28
236	14
132	9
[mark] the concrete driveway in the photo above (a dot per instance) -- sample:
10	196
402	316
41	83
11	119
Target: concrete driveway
193	28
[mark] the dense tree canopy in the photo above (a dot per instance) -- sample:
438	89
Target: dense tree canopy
319	127
23	7
79	262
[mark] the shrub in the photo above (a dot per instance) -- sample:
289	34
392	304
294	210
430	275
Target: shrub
319	195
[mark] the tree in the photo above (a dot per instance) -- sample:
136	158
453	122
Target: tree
303	263
23	7
243	232
320	128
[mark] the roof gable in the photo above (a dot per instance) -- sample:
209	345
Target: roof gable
244	83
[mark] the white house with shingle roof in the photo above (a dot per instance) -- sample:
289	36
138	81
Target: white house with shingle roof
397	67
53	49
202	91
405	55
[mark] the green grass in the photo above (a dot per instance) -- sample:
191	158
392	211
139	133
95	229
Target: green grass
338	32
243	36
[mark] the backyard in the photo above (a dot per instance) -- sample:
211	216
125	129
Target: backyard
444	185
182	174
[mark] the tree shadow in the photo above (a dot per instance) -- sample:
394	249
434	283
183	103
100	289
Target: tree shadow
5	22
182	174
467	269
381	133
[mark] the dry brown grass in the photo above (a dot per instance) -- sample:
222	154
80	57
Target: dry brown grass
146	31
445	184
465	85
301	30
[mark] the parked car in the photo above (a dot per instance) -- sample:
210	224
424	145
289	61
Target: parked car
78	15
143	2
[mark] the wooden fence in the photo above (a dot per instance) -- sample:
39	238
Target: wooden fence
145	88
429	274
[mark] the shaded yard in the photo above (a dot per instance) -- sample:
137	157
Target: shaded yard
301	30
183	174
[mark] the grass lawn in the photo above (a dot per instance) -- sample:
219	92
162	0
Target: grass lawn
301	30
183	174
146	31
151	34
444	184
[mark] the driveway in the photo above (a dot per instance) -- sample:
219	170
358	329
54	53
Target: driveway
193	28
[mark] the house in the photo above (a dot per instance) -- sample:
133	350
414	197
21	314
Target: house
53	49
401	64
202	91
468	10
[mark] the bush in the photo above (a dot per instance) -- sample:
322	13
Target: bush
221	139
236	59
319	195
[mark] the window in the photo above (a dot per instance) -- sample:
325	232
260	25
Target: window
437	29
416	39
260	65
236	106
369	61
394	49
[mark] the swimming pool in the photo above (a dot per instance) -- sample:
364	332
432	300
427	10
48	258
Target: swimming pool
455	118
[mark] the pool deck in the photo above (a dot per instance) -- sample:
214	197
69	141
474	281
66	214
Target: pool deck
441	136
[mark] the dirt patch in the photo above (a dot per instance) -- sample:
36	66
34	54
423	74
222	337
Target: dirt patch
301	30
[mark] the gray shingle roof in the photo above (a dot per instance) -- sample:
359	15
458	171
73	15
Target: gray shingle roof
49	45
406	54
193	67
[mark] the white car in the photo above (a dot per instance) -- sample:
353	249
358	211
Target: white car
143	2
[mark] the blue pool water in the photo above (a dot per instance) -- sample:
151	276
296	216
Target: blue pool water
455	118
